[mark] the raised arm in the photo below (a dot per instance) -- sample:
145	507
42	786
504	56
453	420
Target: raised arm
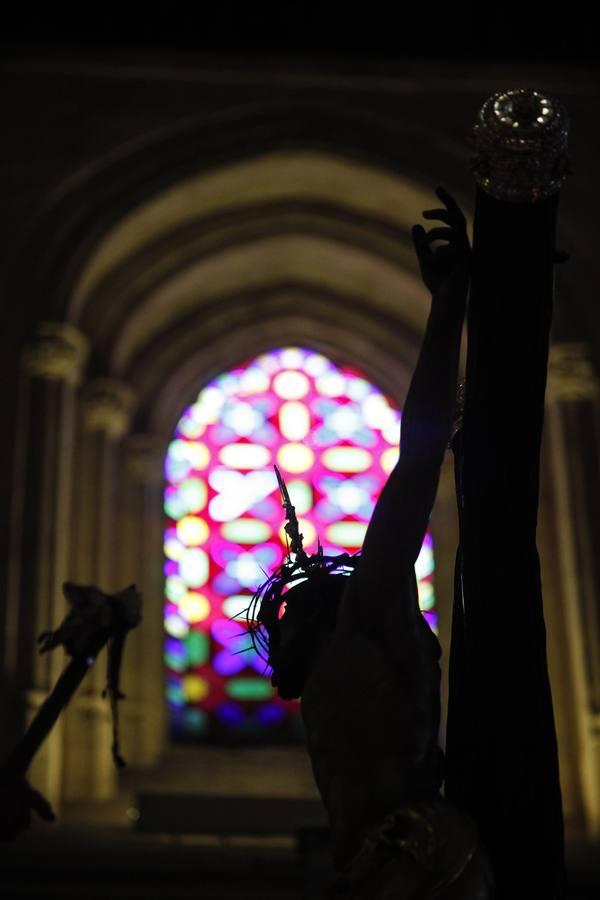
402	512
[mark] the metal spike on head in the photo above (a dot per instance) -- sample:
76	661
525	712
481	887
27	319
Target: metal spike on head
292	528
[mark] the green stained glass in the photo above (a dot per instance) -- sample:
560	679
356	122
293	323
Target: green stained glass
249	689
177	662
197	645
175	694
246	531
196	720
347	534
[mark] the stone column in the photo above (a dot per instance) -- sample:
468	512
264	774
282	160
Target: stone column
573	427
41	527
143	673
106	408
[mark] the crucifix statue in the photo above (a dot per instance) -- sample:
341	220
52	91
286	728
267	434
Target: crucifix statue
346	634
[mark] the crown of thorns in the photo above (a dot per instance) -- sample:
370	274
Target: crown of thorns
264	611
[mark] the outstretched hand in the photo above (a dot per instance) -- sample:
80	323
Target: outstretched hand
17	800
445	267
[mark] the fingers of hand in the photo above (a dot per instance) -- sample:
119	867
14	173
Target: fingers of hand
439	234
448	200
419	238
452	207
442	214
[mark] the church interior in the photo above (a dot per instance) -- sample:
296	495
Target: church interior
207	267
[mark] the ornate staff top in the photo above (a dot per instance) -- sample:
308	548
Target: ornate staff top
521	140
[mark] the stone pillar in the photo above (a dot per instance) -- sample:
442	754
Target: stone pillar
143	673
106	408
41	527
573	427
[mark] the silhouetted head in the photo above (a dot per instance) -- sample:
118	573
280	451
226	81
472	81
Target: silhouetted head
292	624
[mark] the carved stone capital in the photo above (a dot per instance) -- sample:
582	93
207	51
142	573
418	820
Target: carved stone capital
145	458
58	353
571	375
107	406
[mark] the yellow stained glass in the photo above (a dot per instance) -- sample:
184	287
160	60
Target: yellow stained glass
377	412
347	459
245	456
193	567
426	595
193	494
294	420
388	460
236	606
174	549
176	627
195	688
291	358
192	530
301	496
291	385
192	428
246	531
347	534
295	458
194	607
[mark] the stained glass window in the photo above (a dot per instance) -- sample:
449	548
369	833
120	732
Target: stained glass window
335	438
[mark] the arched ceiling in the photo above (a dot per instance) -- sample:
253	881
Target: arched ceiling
291	175
311	244
300	259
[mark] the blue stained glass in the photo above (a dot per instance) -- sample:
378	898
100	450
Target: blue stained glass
176	469
365	438
175	695
174	647
233	659
265	405
245	407
225	585
327	511
365	510
247	570
431	619
345	420
221	434
322	406
266	509
358	388
195	720
175	505
230	714
324	436
266	434
270	714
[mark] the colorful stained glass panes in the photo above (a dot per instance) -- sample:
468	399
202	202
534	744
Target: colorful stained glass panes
335	438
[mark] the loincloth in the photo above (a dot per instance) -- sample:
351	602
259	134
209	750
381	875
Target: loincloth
419	852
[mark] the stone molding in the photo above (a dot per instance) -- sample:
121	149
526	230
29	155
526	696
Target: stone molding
108	405
145	458
58	353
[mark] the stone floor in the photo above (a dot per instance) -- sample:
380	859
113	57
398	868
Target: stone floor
96	853
93	864
66	862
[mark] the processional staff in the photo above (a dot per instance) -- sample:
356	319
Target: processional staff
94	620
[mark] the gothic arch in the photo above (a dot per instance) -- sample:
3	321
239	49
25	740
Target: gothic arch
171	259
